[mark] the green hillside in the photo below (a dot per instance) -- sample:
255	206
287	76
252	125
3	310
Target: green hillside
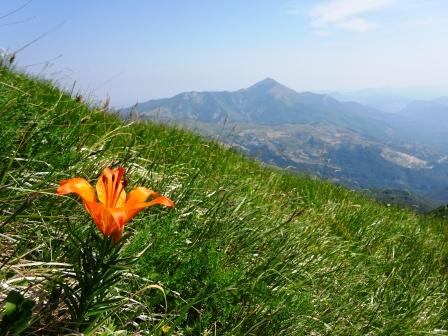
247	250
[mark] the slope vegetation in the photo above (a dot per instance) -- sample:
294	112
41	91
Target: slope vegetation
248	250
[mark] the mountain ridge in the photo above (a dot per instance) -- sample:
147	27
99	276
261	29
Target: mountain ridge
265	102
345	142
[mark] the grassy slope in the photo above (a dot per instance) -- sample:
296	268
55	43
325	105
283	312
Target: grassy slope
247	250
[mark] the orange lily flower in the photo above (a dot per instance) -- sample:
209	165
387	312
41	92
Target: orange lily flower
113	209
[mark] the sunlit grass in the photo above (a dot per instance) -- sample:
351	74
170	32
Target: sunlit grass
248	250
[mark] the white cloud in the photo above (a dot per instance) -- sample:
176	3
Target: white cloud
346	14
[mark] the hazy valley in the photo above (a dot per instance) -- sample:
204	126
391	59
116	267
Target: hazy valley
347	142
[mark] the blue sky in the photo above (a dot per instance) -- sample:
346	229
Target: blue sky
136	50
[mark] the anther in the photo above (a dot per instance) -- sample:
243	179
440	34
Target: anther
125	182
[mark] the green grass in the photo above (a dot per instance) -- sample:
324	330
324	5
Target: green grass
248	250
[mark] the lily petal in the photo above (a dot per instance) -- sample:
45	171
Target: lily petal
139	195
133	210
77	186
162	200
103	218
119	215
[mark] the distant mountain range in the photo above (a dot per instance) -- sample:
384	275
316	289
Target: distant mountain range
352	144
387	101
426	121
268	103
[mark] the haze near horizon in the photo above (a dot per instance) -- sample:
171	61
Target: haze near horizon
139	50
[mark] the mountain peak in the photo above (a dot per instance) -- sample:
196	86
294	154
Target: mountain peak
268	80
272	88
266	83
